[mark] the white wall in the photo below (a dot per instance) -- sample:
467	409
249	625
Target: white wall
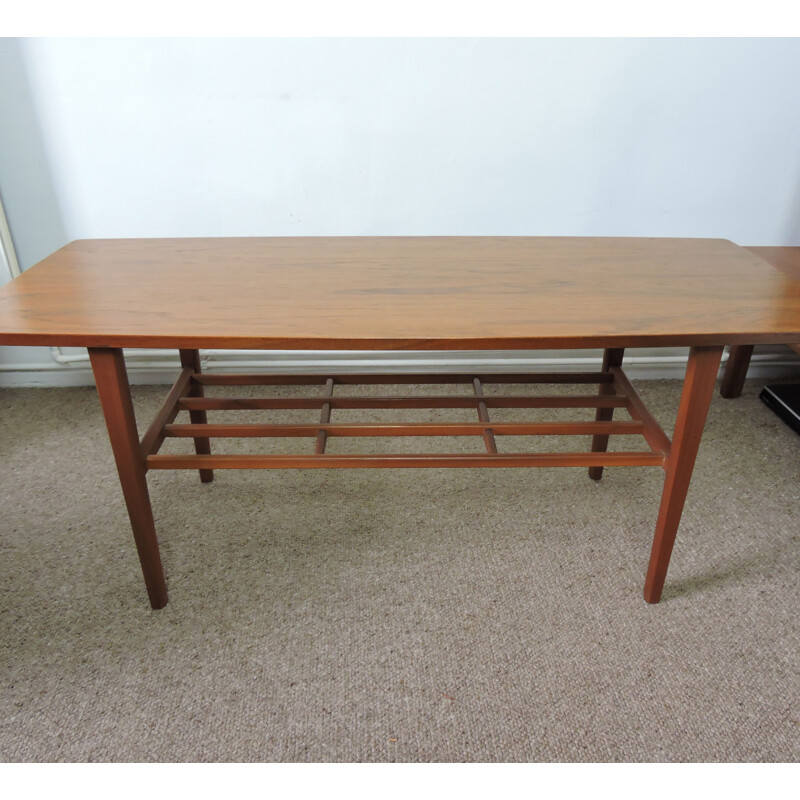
664	137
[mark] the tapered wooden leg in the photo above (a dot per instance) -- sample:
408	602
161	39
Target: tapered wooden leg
202	446
612	357
111	378
736	370
698	388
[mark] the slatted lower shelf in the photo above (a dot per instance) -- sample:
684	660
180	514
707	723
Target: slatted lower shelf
615	391
248	461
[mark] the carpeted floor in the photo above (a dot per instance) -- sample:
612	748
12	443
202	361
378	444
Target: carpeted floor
397	615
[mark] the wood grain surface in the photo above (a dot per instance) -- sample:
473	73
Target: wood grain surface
415	293
786	259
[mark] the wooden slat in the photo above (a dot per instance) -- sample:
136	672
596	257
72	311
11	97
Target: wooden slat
154	437
324	417
653	433
631	459
483	416
415	401
368	379
407	429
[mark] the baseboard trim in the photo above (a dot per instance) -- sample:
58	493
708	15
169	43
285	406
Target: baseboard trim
145	369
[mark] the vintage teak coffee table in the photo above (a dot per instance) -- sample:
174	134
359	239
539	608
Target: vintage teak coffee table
448	293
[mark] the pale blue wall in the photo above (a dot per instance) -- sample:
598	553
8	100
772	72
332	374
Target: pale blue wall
181	137
662	137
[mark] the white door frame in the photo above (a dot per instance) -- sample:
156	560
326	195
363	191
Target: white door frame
9	266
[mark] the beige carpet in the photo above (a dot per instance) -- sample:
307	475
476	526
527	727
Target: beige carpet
397	615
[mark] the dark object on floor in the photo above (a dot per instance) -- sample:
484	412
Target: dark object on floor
785	402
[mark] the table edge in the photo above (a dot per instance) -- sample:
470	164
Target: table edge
375	344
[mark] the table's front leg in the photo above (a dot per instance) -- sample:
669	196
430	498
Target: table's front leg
698	388
114	391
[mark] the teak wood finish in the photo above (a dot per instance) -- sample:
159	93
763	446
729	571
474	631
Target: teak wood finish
408	293
402	293
114	392
616	395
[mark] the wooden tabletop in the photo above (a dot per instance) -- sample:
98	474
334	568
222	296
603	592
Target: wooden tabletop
786	259
418	293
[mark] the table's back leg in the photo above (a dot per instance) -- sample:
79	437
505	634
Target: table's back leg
698	388
736	370
114	391
202	446
612	357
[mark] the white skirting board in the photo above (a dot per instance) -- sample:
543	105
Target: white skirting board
70	367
